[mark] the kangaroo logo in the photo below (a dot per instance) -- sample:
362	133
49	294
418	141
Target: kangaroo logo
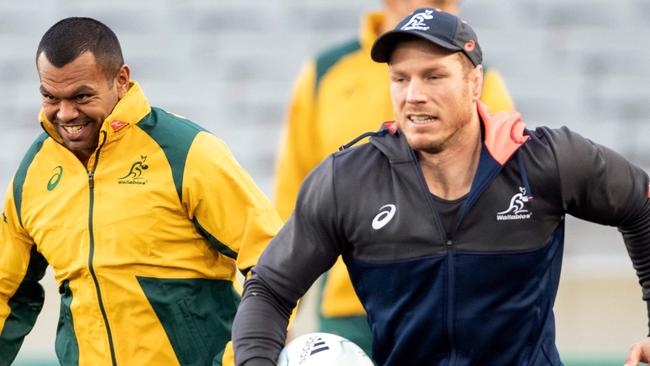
516	210
386	213
134	176
417	21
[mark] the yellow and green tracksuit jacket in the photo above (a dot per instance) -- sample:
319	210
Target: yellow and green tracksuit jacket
144	241
338	96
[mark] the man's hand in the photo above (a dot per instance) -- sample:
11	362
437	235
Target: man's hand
639	352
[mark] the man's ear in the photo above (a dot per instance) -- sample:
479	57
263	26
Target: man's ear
122	80
476	82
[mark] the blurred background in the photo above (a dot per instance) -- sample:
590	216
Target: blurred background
230	66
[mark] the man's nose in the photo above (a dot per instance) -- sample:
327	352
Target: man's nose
67	111
415	92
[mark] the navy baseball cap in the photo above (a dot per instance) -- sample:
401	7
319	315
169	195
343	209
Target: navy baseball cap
438	27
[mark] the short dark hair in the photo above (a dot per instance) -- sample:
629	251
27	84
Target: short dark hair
69	38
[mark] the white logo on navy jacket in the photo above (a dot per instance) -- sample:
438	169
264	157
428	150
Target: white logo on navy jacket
386	213
516	210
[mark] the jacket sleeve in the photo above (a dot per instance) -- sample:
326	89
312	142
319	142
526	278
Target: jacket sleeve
599	185
298	153
21	296
225	204
495	94
305	247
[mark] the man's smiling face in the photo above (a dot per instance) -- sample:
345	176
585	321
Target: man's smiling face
77	98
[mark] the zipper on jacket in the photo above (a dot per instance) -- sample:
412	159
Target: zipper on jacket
449	246
91	186
436	216
450	301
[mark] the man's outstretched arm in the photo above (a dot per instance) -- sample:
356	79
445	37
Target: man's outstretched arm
306	246
599	185
259	329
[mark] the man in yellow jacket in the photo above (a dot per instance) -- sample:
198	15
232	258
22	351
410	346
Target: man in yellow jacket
338	96
144	217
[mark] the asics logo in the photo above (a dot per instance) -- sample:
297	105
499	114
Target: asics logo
386	213
55	178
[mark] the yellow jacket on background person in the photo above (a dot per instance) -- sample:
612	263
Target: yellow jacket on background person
338	96
144	242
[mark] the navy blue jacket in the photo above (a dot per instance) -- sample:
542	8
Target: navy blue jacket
484	294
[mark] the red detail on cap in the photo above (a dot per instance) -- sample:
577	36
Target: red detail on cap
117	124
391	126
470	45
648	190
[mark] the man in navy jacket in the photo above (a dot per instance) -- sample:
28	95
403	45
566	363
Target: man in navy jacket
450	221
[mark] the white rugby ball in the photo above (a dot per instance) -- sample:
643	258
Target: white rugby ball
322	349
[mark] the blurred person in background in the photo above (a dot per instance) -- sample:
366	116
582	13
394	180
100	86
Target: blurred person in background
144	217
450	220
339	95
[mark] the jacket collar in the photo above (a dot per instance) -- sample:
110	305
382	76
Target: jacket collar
128	111
503	136
504	133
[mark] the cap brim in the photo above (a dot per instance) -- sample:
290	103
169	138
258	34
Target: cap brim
384	45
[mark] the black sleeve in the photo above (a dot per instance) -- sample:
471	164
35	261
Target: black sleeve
599	185
306	246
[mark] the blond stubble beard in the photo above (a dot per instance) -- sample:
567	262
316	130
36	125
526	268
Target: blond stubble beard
462	121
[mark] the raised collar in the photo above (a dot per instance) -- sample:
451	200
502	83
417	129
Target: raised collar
504	133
